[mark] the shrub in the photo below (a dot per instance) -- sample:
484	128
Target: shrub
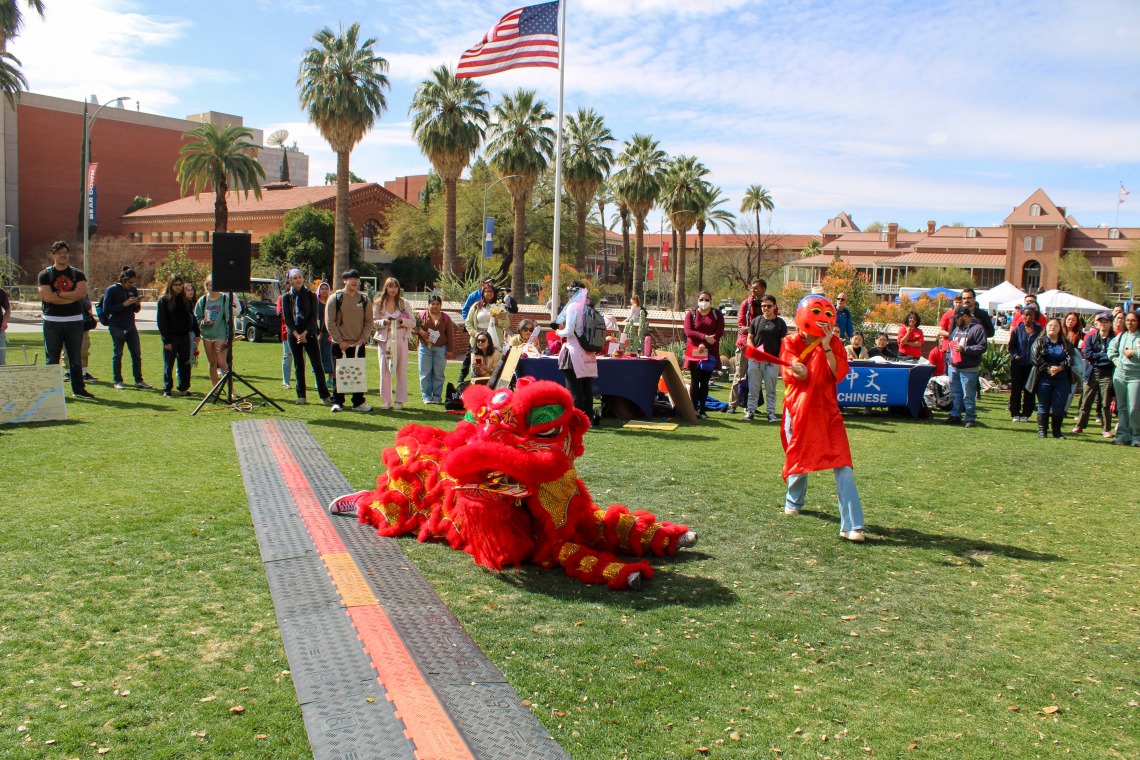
178	262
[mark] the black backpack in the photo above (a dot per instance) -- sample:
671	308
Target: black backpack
101	312
592	337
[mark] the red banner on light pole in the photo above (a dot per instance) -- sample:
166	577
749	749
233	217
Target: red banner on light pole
664	256
649	270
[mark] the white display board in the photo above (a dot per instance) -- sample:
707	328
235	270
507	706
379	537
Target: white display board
31	393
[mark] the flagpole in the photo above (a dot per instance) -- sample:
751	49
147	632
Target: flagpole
1119	200
558	160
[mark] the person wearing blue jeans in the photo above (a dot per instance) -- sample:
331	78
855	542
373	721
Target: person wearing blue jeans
1124	351
850	508
433	328
967	344
120	304
1052	364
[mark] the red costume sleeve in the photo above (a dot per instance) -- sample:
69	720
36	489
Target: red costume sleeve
813	433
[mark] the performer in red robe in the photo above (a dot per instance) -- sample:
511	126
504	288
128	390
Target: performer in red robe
813	432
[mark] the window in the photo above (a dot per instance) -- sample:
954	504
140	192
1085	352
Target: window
990	278
368	234
1114	234
972	232
838	223
1039	244
1031	277
882	237
1027	244
1035	209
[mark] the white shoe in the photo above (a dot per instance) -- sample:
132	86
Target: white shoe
791	510
385	407
852	535
336	408
119	387
286	386
362	408
345	505
397	406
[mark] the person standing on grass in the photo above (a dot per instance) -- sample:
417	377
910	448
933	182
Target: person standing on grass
196	334
286	356
394	324
120	305
766	332
212	312
843	318
749	311
1124	351
970	301
967	344
704	327
348	315
1098	386
5	313
175	325
578	365
910	336
63	289
323	293
299	307
435	327
1030	300
1021	339
1052	368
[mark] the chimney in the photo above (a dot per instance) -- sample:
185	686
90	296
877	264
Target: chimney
930	227
893	235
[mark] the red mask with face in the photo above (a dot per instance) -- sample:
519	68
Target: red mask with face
815	316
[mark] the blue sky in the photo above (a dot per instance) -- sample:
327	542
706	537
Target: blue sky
891	111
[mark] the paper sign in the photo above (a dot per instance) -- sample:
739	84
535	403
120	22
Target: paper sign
31	393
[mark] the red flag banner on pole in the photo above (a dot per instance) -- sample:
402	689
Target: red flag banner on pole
524	37
665	257
649	269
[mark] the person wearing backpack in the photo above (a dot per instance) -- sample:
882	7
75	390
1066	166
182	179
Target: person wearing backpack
348	315
63	289
704	327
577	362
117	310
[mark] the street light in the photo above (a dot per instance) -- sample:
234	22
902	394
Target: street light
87	177
483	237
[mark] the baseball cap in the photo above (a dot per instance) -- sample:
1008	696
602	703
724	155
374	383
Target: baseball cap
1105	315
349	274
963	310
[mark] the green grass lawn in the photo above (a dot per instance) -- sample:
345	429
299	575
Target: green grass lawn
993	611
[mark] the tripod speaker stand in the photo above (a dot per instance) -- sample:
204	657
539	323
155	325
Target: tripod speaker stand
231	265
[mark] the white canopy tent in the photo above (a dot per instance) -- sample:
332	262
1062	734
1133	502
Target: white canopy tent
1057	302
1000	294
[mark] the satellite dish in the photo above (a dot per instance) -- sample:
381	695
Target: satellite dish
278	138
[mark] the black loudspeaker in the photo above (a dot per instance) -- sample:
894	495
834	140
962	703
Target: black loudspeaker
232	254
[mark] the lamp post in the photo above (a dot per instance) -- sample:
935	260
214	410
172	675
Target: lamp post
483	235
87	179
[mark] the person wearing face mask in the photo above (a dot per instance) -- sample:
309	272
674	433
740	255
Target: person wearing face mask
967	344
704	327
1052	368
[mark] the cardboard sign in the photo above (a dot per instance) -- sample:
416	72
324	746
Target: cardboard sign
31	393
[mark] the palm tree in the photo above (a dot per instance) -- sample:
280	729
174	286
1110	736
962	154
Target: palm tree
219	159
342	87
12	81
708	197
637	185
626	267
814	246
603	197
521	143
680	186
585	166
755	199
448	123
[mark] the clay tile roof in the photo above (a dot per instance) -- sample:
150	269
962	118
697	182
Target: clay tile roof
272	200
985	239
1050	213
1098	239
964	260
862	242
846	224
825	259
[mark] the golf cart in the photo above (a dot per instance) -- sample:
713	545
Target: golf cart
259	319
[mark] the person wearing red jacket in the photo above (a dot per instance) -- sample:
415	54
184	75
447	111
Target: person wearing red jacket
813	433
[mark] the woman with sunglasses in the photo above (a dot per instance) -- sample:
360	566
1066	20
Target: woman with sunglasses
484	358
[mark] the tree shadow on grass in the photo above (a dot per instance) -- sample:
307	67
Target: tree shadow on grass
973	551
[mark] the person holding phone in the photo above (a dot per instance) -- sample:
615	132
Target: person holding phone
121	302
212	316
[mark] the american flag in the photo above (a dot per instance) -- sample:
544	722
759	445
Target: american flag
524	37
1123	192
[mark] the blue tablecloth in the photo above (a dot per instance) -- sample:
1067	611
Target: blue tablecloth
891	384
634	379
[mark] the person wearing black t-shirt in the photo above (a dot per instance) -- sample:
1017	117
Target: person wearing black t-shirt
175	325
767	332
883	348
63	289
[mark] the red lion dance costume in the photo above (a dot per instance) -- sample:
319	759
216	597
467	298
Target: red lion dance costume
502	487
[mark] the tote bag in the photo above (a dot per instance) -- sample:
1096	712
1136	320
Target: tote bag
351	375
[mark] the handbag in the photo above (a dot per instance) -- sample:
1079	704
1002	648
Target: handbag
351	375
89	322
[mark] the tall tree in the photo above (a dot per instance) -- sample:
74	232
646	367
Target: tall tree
638	185
603	197
219	159
520	148
755	199
626	265
680	185
449	120
585	166
342	85
12	81
708	198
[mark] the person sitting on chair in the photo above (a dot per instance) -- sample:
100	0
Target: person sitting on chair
484	358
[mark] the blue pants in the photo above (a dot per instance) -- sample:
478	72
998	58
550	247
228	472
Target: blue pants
177	356
1053	393
327	359
286	362
964	391
57	335
433	366
130	338
850	508
1127	409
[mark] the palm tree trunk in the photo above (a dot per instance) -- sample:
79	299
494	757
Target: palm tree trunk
627	265
700	257
759	255
221	210
580	210
679	269
639	258
449	228
673	269
518	268
340	241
